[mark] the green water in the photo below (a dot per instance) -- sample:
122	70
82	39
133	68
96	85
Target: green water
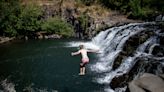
44	66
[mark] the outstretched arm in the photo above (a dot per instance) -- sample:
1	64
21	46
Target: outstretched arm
75	53
92	50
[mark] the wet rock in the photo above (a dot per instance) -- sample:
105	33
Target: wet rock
40	37
143	64
7	86
6	39
131	46
159	18
120	81
78	29
26	37
158	51
148	82
161	40
54	36
119	59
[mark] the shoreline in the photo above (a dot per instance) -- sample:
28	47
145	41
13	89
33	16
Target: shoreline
6	39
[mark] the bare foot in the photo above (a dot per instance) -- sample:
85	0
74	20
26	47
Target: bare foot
81	74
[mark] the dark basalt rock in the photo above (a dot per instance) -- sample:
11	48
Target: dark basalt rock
141	66
158	51
119	59
148	65
131	46
120	81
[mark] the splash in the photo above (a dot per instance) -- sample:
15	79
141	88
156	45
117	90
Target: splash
87	45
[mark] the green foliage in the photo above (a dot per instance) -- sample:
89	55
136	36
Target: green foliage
9	11
83	18
57	26
18	20
135	7
140	9
29	19
155	5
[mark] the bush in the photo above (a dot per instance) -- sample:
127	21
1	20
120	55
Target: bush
29	19
9	11
139	11
83	19
57	26
16	19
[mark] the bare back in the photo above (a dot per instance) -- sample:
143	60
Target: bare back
83	53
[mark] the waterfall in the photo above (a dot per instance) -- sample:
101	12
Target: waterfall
111	42
127	64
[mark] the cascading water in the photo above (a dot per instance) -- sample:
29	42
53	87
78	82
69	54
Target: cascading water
112	42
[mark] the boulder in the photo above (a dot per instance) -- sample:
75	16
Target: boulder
163	18
6	39
159	18
147	82
54	36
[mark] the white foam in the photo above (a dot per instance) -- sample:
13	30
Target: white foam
87	45
123	89
8	86
105	63
107	78
100	67
108	90
30	88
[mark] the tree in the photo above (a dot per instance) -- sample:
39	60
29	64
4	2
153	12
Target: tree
135	7
9	11
29	19
139	9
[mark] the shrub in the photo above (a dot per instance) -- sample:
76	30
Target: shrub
9	11
29	19
56	25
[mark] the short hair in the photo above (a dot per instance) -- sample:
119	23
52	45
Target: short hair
81	46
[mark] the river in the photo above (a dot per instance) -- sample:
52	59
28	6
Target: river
43	66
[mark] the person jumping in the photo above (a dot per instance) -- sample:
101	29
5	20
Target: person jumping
85	58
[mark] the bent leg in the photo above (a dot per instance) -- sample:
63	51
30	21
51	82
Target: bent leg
81	68
83	72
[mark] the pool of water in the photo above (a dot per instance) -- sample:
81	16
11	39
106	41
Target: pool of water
44	66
